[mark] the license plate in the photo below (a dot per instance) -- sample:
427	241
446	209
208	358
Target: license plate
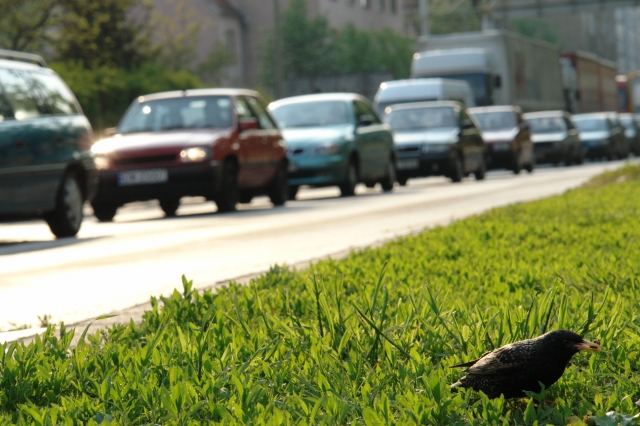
408	164
142	177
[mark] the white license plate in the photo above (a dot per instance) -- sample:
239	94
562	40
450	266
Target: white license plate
408	164
142	177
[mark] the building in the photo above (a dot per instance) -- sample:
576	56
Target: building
240	25
628	33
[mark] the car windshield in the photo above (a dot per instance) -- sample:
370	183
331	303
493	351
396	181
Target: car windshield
421	118
547	124
177	113
497	120
311	114
591	124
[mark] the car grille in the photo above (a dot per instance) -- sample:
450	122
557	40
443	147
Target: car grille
409	149
145	160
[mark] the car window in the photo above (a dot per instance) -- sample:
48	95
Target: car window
263	115
312	114
57	95
361	108
496	120
18	89
421	118
5	108
243	110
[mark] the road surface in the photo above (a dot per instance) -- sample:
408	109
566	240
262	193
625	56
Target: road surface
112	266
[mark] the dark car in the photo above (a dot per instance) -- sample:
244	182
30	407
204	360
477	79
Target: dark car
507	137
631	131
46	167
624	147
436	139
221	144
335	139
555	137
600	136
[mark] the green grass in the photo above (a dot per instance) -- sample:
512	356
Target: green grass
368	339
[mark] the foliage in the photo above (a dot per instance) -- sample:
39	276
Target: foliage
309	47
536	28
105	92
100	33
368	339
25	24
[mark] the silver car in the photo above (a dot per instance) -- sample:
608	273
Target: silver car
555	138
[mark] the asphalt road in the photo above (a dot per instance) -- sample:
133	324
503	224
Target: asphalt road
112	266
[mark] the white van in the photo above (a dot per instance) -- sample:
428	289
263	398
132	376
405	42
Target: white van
421	90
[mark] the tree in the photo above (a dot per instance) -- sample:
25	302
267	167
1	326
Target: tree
25	24
536	28
102	33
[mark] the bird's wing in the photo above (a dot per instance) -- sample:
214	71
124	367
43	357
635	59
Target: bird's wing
501	360
470	363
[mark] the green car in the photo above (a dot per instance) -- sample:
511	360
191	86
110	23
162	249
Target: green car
335	139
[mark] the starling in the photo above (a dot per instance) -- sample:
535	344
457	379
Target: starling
518	367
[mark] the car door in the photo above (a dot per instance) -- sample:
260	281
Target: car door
471	141
251	152
34	171
8	132
367	138
383	141
272	149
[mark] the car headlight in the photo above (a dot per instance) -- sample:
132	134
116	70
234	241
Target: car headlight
102	162
191	155
434	148
325	149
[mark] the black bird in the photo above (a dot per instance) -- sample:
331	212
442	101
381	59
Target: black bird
518	367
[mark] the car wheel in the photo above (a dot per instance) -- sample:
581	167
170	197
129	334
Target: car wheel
228	197
348	187
279	192
169	206
517	164
370	185
402	180
66	219
531	165
293	191
390	179
104	212
456	172
245	197
580	157
481	171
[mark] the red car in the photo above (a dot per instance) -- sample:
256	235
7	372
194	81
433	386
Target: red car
218	143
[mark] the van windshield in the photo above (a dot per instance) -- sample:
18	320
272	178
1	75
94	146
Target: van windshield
422	118
479	83
383	105
591	124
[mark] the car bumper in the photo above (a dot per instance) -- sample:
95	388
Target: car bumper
549	152
596	149
183	180
317	171
500	157
424	164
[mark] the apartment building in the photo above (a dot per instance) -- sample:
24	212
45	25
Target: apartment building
242	24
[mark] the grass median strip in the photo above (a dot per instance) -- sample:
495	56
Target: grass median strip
369	339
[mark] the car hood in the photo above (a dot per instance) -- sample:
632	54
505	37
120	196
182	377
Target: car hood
315	135
168	139
425	136
548	137
588	136
500	135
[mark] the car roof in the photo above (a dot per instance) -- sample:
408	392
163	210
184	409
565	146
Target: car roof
596	115
8	63
496	108
337	96
198	92
428	104
541	114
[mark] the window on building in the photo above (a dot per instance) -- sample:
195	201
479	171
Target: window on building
365	3
393	5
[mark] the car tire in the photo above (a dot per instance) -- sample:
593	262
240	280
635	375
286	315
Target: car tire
390	179
279	191
481	171
245	197
456	172
580	157
66	219
531	165
293	191
228	196
169	206
370	185
348	187
517	165
104	212
402	180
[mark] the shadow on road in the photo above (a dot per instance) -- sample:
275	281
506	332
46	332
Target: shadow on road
15	247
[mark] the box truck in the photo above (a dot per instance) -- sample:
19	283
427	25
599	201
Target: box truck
503	68
590	82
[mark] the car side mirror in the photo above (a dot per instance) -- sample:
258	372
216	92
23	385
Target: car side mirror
109	131
366	120
247	123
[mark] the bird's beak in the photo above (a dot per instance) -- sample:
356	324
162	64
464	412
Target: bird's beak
586	345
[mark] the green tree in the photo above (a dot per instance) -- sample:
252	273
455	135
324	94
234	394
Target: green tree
102	33
25	24
536	28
